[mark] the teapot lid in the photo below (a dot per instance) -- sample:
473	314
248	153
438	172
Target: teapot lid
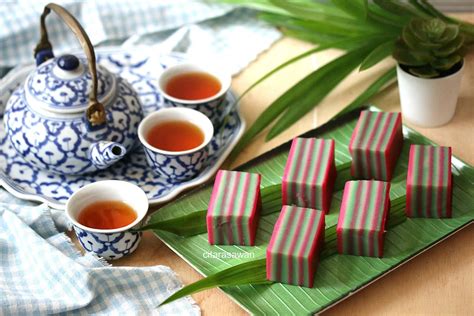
63	85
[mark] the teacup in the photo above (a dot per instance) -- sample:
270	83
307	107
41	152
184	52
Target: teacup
108	243
214	107
176	166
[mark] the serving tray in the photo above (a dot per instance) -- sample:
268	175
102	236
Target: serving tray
338	276
25	182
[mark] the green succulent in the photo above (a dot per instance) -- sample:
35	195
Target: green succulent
429	48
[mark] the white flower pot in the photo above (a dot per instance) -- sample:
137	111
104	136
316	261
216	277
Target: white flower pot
428	102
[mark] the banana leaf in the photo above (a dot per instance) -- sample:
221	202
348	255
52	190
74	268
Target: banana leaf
337	275
254	272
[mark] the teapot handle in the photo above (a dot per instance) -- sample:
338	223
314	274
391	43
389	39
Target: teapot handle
95	113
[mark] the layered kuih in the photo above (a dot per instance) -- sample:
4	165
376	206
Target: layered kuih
232	215
310	172
375	145
361	224
429	182
296	241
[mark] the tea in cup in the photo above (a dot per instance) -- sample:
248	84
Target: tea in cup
103	214
198	87
176	142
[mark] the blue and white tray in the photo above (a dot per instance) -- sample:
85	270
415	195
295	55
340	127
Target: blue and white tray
25	182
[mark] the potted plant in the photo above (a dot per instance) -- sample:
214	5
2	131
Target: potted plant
429	71
367	32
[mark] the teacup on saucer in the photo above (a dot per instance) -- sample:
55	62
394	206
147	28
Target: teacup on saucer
108	243
176	166
214	107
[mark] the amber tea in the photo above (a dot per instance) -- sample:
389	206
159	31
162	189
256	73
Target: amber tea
107	215
193	86
175	136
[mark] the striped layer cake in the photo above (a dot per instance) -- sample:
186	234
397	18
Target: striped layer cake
375	145
308	179
232	215
429	182
294	247
361	224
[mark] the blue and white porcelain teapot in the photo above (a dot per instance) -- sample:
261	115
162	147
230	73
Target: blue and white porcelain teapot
71	117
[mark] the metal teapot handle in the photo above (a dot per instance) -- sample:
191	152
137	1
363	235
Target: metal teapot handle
95	112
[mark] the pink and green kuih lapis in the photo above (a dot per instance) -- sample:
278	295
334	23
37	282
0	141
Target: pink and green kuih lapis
361	225
296	241
232	215
429	182
375	145
308	179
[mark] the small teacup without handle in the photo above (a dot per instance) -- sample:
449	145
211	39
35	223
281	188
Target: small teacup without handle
109	244
177	166
215	107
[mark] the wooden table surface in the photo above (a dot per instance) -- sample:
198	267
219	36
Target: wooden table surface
438	282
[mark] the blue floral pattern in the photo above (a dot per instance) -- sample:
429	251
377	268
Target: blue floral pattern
62	145
20	178
109	246
177	168
212	109
62	93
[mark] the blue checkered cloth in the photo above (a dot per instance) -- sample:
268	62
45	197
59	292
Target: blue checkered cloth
216	32
41	272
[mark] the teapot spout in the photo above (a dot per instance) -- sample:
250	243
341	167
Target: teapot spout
103	154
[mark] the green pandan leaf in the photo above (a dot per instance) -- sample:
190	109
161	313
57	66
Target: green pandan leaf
420	7
378	54
322	28
325	19
312	37
399	8
435	12
260	5
281	104
446	63
252	272
346	42
323	80
449	48
356	8
423	72
385	79
378	14
309	9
